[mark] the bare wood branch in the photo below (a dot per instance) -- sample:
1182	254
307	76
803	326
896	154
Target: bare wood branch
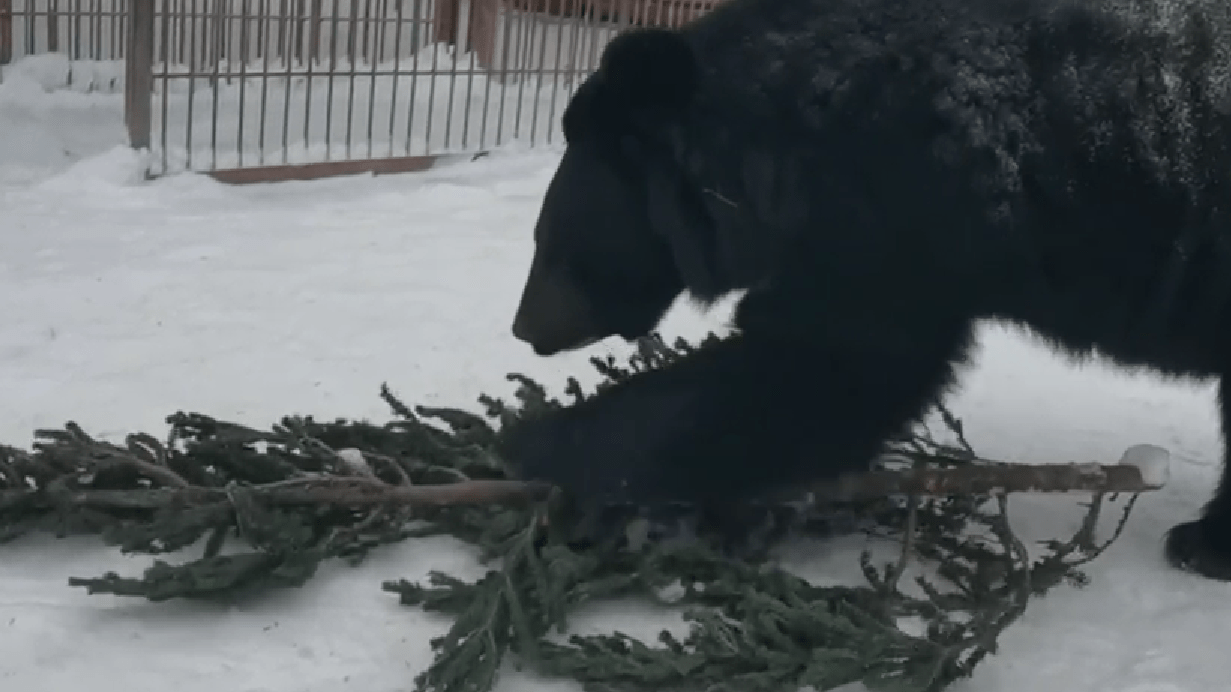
369	492
362	492
980	479
159	474
352	492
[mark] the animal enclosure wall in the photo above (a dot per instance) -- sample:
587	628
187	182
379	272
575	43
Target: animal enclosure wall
235	85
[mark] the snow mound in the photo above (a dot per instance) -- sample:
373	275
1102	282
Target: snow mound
1154	463
120	166
51	120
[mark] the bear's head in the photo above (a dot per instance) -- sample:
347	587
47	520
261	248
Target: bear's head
608	253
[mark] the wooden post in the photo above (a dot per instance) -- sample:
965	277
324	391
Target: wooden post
481	26
484	21
6	32
139	73
446	20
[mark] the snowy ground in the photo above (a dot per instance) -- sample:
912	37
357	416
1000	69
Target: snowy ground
122	302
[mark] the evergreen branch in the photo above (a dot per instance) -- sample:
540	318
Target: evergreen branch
306	491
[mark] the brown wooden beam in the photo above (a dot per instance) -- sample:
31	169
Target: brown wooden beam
324	169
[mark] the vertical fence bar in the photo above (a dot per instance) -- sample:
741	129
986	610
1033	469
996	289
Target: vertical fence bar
538	87
265	24
194	59
451	6
352	56
117	13
182	32
216	35
516	73
525	49
397	70
510	11
302	37
575	72
53	26
282	42
284	39
414	75
298	24
376	45
162	52
139	73
96	22
485	28
29	39
472	68
458	42
165	64
332	73
121	21
243	81
556	71
314	32
74	31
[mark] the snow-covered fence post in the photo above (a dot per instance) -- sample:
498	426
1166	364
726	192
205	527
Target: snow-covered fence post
139	73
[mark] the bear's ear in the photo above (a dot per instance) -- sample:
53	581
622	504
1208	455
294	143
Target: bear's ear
653	69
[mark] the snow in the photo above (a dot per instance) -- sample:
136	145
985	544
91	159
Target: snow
48	125
1152	461
355	461
126	300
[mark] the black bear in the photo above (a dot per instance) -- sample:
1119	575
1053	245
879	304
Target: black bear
877	175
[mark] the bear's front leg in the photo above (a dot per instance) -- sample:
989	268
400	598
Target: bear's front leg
606	447
734	420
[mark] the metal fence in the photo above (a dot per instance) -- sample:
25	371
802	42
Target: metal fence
89	36
274	89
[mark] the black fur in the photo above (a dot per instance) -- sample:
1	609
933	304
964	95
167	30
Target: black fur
879	174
